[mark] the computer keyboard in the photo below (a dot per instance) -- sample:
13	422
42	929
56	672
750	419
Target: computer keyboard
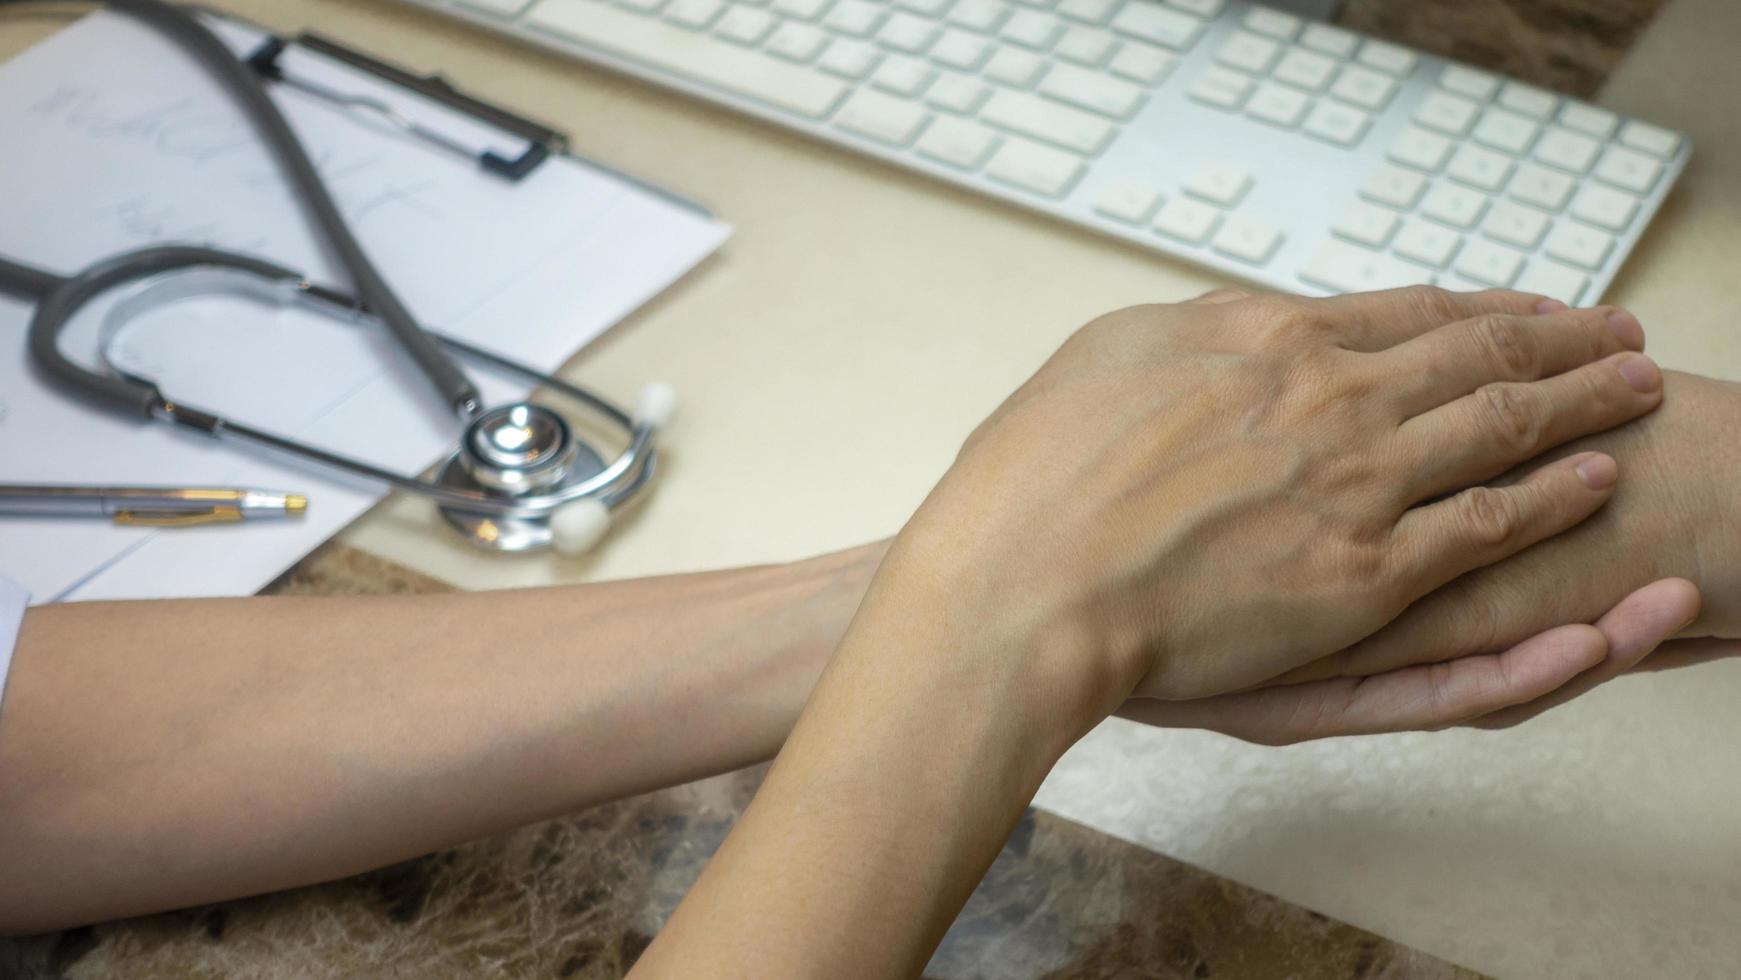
1295	155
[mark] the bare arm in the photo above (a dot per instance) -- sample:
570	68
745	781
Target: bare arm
160	754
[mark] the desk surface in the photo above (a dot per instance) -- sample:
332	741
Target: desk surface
836	352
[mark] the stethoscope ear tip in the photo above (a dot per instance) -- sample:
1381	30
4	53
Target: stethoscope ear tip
654	405
576	528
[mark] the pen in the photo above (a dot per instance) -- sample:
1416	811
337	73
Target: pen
150	506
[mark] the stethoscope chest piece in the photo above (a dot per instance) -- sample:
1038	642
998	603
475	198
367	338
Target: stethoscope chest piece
514	450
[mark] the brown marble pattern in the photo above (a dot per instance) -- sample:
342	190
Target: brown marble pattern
581	896
1568	45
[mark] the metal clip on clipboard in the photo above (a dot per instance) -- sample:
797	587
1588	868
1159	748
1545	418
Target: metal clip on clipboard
541	140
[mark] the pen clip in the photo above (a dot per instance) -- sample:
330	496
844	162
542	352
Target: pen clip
170	518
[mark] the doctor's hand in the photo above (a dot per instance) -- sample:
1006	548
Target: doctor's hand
1198	497
1677	514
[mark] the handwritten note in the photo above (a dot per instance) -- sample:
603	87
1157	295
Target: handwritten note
129	144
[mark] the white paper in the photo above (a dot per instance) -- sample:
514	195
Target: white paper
113	140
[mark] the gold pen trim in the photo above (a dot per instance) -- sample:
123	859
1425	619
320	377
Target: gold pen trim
163	518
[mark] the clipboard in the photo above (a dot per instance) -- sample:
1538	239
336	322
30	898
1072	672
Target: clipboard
529	250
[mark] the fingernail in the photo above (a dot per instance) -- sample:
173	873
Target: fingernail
1627	328
1550	306
1598	472
1640	372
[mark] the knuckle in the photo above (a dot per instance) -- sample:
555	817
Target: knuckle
1511	417
1507	344
1434	302
1493	518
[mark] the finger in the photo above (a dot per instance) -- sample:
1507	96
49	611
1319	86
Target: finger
1633	628
1381	320
1436	543
1501	425
1427	697
1456	359
1215	297
1688	653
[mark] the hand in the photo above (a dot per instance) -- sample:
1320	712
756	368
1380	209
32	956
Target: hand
1491	691
1677	515
1211	493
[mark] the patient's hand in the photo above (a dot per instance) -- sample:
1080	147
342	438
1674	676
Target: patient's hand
1677	513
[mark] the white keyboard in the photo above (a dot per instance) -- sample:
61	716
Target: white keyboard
1295	155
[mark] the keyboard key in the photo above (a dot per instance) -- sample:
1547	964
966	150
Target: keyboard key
1033	116
1421	149
1542	187
796	41
854	18
880	117
500	8
1566	150
1277	105
1490	262
1447	113
1480	168
957	93
1477	85
745	25
1653	140
1579	244
1142	62
1033	167
1127	200
1151	22
1274	23
979	15
1247	239
1091	90
1206	9
1336	123
1187	220
959	49
801	9
1366	224
1221	87
1248	52
1459	207
694	13
903	76
957	142
1219	184
1388	58
1305	69
1527	100
727	66
907	33
1344	268
1427	243
1589	120
1363	87
1085	46
849	59
1550	278
1032	29
1333	41
1629	169
1515	224
1088	11
1604	207
1013	66
1505	130
1393	185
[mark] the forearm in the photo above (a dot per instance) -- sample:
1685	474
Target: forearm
161	754
910	766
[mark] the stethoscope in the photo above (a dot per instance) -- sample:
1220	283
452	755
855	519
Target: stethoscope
520	478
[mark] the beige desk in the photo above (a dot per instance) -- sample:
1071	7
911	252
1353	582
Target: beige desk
834	354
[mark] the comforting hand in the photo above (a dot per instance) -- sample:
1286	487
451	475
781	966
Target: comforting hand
1205	495
1676	515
